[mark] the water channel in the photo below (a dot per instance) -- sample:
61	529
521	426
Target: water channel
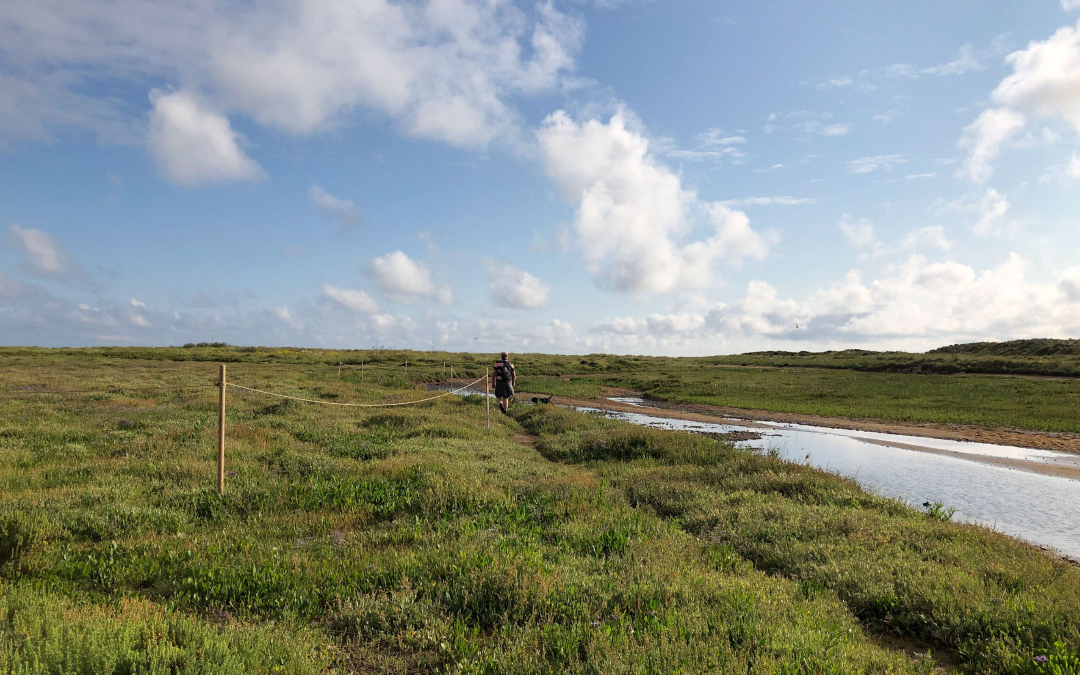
1041	509
1037	508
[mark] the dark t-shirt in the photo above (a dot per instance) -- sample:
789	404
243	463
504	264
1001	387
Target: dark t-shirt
504	379
504	371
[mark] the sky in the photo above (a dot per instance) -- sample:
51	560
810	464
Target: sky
680	177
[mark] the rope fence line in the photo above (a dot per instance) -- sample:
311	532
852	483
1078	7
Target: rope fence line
222	385
355	405
120	388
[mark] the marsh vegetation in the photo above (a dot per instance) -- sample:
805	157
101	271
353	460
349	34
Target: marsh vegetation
414	540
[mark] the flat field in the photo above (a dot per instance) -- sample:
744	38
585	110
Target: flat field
412	539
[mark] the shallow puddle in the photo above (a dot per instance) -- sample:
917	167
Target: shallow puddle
1037	508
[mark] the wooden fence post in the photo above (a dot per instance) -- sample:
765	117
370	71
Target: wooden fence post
221	435
487	396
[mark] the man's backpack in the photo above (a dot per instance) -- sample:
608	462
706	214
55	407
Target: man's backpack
504	370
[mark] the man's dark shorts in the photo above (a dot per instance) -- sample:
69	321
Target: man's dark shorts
503	389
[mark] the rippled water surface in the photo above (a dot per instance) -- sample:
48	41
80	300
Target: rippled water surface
1040	509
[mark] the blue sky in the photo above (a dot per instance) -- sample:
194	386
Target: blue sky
676	177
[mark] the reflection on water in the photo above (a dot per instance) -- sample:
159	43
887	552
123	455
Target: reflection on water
1040	509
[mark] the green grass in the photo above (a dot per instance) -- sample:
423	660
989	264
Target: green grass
991	599
413	540
961	384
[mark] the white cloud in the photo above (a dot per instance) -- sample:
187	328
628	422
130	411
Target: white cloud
716	137
685	324
341	210
44	257
137	303
282	313
402	279
702	155
876	163
807	122
988	212
194	145
983	139
1070	4
965	62
836	82
931	236
936	302
514	288
1046	78
633	211
355	300
992	210
782	200
441	69
859	232
836	130
1045	82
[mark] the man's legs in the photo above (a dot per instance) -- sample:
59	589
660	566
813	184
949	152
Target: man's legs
504	404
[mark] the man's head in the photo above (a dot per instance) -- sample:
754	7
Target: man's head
504	356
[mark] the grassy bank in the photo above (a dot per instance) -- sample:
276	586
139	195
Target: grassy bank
412	540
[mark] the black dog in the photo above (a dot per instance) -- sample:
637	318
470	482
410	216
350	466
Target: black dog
537	400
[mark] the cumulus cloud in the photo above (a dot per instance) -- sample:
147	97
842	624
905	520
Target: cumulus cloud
402	279
659	325
341	210
876	163
1045	82
446	70
932	301
514	288
44	257
355	300
633	212
194	145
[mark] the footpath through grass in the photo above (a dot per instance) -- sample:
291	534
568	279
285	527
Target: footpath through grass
412	540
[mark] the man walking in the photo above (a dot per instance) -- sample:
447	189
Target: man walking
505	379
